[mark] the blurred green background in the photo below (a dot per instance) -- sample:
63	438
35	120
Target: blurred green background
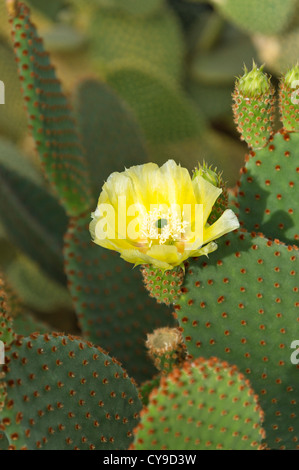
167	70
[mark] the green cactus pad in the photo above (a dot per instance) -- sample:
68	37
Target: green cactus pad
33	219
258	16
164	286
157	41
164	112
49	115
113	307
289	99
65	394
267	198
6	322
205	405
110	134
254	107
242	306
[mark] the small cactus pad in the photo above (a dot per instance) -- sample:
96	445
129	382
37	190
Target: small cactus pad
6	322
289	99
166	348
254	107
113	308
64	394
242	306
205	405
164	286
215	178
268	192
49	115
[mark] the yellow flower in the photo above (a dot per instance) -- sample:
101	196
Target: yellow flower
158	216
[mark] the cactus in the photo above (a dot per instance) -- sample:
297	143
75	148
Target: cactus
262	16
239	308
213	404
166	348
155	41
71	389
254	107
288	99
226	376
164	112
110	133
49	115
163	285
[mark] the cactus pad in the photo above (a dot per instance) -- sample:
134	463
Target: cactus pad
258	16
110	134
164	286
66	394
242	306
49	115
205	405
289	99
254	107
267	198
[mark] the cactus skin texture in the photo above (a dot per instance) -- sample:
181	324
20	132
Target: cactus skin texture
112	306
242	306
156	41
254	107
267	195
49	115
166	348
212	405
289	99
110	134
65	394
164	286
258	16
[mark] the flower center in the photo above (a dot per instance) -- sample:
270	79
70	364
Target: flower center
165	227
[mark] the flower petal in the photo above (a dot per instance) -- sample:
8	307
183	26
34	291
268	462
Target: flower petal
206	194
226	223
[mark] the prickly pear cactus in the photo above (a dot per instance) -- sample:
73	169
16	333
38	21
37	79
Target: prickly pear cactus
213	404
288	99
50	118
64	394
226	376
254	107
